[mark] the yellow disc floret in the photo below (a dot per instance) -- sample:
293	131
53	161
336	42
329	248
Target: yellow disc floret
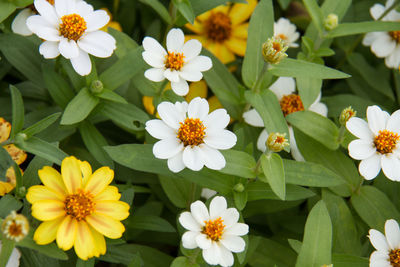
218	27
214	229
15	227
191	132
395	36
79	205
386	141
394	257
174	60
291	103
73	26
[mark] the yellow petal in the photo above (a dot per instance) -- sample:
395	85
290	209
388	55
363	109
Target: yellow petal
117	210
197	89
110	193
202	39
115	25
242	12
237	46
66	233
47	231
52	179
240	31
99	242
5	188
84	243
47	210
18	155
221	52
196	27
105	225
214	103
5	129
86	170
40	192
148	104
99	180
71	174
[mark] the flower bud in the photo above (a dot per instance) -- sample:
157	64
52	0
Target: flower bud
276	142
346	114
15	227
274	49
96	87
238	187
331	22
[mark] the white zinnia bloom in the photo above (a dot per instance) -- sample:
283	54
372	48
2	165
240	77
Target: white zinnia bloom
13	261
284	88
181	63
286	31
378	144
387	247
72	29
216	232
385	44
190	137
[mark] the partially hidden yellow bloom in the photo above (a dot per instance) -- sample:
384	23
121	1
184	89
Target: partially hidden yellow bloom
15	227
78	208
223	30
112	24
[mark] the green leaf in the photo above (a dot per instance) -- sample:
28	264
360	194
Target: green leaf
41	125
5	163
272	166
79	107
6	9
239	163
339	102
17	111
50	250
300	68
309	90
183	262
315	13
159	8
317	241
150	223
110	95
58	88
178	190
240	199
343	260
316	126
85	263
345	29
374	207
259	190
7	247
124	42
272	253
260	29
185	8
126	115
8	203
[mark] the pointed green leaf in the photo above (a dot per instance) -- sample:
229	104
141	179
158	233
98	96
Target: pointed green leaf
41	125
272	166
18	111
345	29
239	163
79	107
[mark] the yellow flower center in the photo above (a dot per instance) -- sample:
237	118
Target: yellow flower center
385	142
15	226
79	205
282	37
395	36
214	229
174	60
72	27
291	103
394	257
218	27
191	132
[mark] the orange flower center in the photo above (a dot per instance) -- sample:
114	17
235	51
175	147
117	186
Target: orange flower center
79	205
291	103
214	229
218	27
394	257
282	37
280	139
72	27
386	141
174	61
395	36
191	132
15	229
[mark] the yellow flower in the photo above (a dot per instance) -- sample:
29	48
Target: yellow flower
223	30
15	226
78	208
112	24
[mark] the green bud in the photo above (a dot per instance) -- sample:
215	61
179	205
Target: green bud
20	138
238	187
96	87
331	22
274	49
346	114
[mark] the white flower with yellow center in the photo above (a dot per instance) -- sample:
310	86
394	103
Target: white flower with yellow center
385	44
286	31
387	253
179	64
72	29
284	88
377	146
190	137
216	232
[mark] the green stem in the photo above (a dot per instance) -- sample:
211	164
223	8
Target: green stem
389	9
342	131
192	195
115	7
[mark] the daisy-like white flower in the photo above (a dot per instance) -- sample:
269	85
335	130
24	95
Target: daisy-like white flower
216	232
190	137
377	146
179	64
72	29
284	88
286	31
385	44
387	247
13	261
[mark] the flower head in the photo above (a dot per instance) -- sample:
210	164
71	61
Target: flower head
72	29
15	226
179	64
286	31
190	137
216	231
331	22
377	146
277	142
346	114
78	208
274	49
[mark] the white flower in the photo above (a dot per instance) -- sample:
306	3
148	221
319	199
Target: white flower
181	63
387	247
378	144
72	29
286	31
13	261
19	23
190	137
284	88
385	44
216	232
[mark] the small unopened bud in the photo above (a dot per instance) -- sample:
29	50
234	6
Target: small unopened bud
274	49
96	87
277	142
331	22
346	114
15	227
20	138
238	187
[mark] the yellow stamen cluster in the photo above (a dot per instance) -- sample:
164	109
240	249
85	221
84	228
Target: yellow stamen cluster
291	103
395	36
276	142
73	26
282	37
191	132
15	227
218	27
174	60
274	49
394	257
214	229
79	205
386	141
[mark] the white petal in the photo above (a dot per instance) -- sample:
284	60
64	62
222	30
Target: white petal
233	243
182	107
393	60
283	86
212	158
98	43
42	28
189	239
198	108
226	257
217	206
393	124
172	75
175	39
192	158
47	11
230	217
199	63
96	20
203	242
370	167
158	129
253	118
180	88
377	119
361	149
64	7
392	233
212	255
19	23
376	11
191	76
151	45
154	60
83	8
319	108
49	49
188	222
370	37
191	49
294	150
391	167
68	48
13	261
167	148
175	164
207	193
154	74
199	212
378	240
238	229
378	256
261	145
170	115
81	63
220	139
217	120
383	46
359	128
